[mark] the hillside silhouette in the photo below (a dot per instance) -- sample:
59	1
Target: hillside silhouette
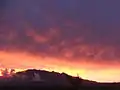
33	78
50	78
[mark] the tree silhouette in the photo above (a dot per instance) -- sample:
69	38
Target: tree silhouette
12	71
5	72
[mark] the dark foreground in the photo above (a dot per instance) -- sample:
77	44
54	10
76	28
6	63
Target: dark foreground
57	88
40	86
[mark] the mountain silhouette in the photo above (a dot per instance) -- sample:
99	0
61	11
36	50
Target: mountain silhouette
47	80
51	78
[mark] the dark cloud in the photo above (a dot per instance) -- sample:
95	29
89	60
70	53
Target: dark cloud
63	28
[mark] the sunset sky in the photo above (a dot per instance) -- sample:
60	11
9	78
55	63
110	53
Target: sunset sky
73	36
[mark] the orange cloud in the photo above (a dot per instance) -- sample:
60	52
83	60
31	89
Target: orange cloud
42	37
36	37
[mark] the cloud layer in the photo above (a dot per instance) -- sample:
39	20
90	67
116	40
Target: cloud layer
76	30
